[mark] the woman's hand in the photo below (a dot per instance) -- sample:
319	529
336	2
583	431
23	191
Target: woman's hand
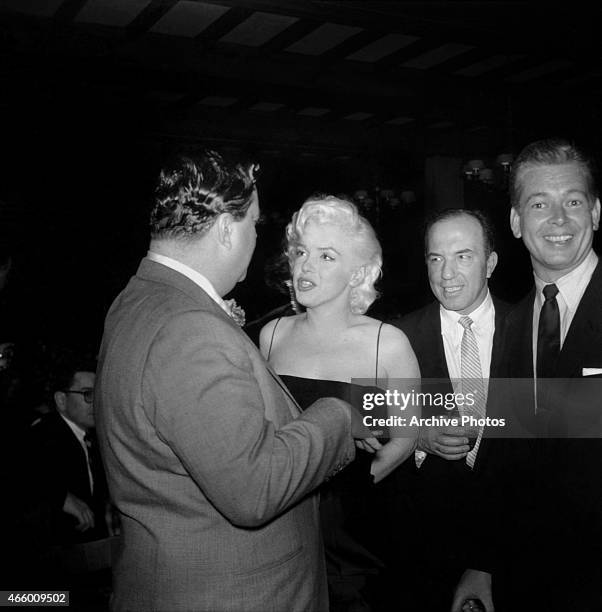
390	456
370	445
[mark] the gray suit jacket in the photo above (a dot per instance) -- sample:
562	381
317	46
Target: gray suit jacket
208	458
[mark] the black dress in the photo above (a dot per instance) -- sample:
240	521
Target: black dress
350	512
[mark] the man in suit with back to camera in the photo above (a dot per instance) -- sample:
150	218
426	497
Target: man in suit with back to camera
210	461
541	549
455	337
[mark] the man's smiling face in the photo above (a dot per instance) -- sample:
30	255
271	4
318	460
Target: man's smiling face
458	264
556	217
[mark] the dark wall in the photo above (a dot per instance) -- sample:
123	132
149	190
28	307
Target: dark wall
78	182
79	179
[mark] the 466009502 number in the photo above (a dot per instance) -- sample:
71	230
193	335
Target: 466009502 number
38	598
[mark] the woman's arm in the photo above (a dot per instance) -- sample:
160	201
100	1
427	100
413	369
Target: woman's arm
399	364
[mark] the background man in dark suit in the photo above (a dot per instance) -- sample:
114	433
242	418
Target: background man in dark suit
543	542
436	488
66	513
209	459
64	452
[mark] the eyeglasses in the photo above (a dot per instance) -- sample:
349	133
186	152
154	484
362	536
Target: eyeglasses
6	351
87	393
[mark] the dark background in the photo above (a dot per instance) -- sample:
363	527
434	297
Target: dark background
93	95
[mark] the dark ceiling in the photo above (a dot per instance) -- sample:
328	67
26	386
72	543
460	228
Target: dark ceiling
328	95
323	79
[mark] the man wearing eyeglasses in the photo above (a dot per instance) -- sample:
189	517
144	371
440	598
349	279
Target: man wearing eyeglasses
66	457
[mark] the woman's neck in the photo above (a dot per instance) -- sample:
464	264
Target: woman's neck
328	319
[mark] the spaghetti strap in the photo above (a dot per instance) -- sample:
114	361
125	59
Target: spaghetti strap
377	347
272	339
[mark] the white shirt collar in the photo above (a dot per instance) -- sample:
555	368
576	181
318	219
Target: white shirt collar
75	428
480	315
573	284
196	277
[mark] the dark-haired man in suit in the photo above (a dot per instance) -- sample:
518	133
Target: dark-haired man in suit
452	336
210	461
67	461
543	548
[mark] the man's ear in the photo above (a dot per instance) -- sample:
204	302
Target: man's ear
596	214
357	277
515	222
59	400
491	263
224	229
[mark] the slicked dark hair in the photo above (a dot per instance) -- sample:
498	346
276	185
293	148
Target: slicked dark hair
194	189
551	151
452	213
64	364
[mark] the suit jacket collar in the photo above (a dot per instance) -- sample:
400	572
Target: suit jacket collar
583	326
501	310
295	409
71	447
436	364
158	273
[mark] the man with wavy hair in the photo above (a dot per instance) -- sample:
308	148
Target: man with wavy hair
210	461
542	542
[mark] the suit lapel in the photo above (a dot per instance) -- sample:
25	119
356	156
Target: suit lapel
501	310
519	357
79	469
434	356
522	361
154	271
294	407
585	329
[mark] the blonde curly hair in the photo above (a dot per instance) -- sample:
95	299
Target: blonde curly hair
328	209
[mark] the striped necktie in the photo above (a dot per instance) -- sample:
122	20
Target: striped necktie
472	381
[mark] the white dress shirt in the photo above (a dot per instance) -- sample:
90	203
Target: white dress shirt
196	277
483	327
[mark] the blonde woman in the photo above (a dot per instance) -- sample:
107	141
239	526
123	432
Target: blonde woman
335	259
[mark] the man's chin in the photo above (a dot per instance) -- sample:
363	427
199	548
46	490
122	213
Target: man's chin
452	302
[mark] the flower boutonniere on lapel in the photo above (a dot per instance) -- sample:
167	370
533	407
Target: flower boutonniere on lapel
236	312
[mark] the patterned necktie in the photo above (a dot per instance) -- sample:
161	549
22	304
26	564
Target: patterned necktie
548	333
471	373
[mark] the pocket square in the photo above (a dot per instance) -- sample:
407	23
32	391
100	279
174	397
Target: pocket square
591	371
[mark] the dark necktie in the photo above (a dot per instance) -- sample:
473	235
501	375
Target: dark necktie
548	334
89	442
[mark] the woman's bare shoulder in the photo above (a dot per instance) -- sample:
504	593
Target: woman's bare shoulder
267	333
394	336
281	322
397	355
389	334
